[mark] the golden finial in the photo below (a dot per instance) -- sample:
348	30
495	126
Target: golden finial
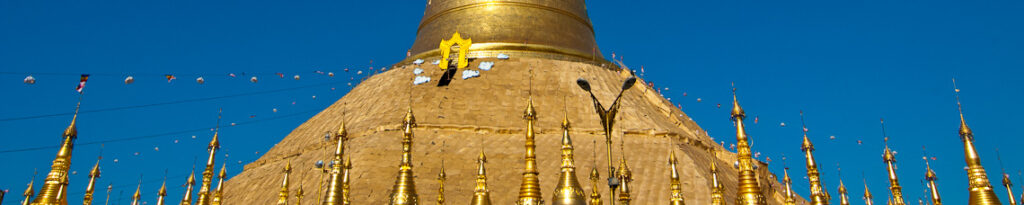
334	195
404	191
138	193
54	190
1006	179
868	198
844	199
717	189
345	179
625	176
595	194
981	191
28	192
163	191
481	195
676	194
218	194
890	161
788	197
441	177
208	172
91	187
299	194
749	190
282	195
568	190
818	193
932	188
529	190
189	184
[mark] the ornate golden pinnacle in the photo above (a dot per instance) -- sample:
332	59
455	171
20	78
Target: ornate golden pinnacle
568	190
334	193
818	193
404	191
676	194
749	190
933	190
844	199
981	192
625	176
218	194
208	172
894	181
529	190
89	189
282	195
162	193
189	185
54	190
481	196
717	189
788	199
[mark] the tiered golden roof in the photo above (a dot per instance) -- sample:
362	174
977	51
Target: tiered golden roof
568	191
54	190
818	193
933	190
189	185
218	194
981	192
404	191
334	195
749	191
204	190
89	189
676	188
162	193
481	195
788	198
529	190
282	195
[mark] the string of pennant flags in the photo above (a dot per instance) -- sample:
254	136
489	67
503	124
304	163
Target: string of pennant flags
30	78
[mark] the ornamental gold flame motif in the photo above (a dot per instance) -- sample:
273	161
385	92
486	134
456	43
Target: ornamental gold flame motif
446	50
529	190
749	192
981	192
554	30
568	191
404	191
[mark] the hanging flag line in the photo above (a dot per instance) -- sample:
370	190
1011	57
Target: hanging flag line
117	186
167	103
162	134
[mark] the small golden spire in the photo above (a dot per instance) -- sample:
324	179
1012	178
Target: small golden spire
625	176
54	190
346	190
282	195
595	194
299	194
28	192
749	190
981	192
676	196
189	184
933	189
788	198
138	193
404	191
162	193
818	193
89	189
334	194
890	161
568	190
440	180
717	189
529	190
218	194
868	198
481	195
204	189
844	199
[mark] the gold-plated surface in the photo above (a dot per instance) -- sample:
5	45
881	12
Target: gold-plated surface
595	194
441	177
844	199
675	187
189	185
717	188
933	190
298	195
334	195
446	50
894	182
54	190
529	190
28	193
568	191
481	195
625	177
749	191
563	25
89	189
868	198
218	194
788	198
282	195
160	195
1009	188
980	190
404	191
138	194
204	197
345	179
818	193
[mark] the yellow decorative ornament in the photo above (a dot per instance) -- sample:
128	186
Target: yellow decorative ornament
446	50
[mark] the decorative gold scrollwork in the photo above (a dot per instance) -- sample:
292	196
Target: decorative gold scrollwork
446	50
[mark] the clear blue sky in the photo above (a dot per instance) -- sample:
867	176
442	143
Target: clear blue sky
845	63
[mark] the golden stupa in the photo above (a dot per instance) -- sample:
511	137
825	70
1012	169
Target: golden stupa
550	45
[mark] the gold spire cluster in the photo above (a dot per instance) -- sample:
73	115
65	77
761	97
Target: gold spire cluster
568	191
676	188
404	191
481	195
529	190
749	192
818	194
